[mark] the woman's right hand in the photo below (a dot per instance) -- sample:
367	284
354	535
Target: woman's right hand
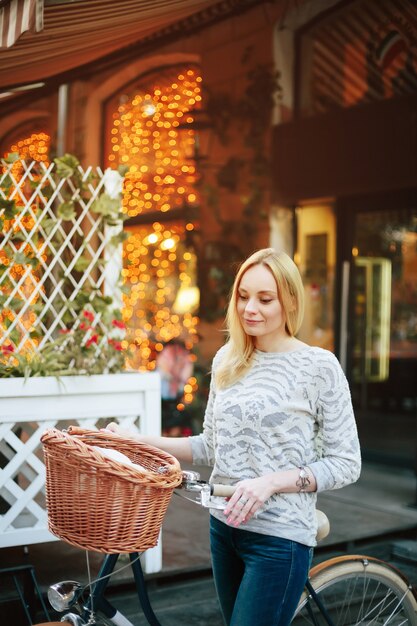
115	428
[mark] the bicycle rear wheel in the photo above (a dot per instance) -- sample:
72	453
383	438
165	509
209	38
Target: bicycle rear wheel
358	590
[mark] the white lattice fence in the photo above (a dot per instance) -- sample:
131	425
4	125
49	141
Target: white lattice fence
29	407
61	232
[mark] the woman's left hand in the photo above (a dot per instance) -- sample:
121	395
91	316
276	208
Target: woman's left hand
248	498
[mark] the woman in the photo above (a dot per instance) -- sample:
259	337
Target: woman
279	425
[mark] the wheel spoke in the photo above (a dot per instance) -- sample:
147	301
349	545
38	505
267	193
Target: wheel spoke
359	593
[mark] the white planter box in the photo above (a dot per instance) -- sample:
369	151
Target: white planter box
28	408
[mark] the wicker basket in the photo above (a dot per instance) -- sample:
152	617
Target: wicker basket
100	504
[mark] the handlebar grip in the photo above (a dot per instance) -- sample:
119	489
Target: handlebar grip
225	491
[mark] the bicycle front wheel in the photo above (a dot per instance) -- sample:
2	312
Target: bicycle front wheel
357	590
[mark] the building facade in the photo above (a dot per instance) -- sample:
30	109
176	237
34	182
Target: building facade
332	181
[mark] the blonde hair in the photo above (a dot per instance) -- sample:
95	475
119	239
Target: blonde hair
240	346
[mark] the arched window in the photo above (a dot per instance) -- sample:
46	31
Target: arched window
32	145
147	131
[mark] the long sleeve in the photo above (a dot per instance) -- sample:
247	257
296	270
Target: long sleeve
338	444
203	445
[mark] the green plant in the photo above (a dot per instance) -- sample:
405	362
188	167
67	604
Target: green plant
81	350
241	125
247	118
56	232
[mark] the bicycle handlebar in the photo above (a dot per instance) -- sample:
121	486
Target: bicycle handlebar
204	491
224	491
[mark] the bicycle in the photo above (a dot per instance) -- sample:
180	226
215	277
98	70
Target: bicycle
341	591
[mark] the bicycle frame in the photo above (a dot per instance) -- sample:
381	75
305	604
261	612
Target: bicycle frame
98	601
313	595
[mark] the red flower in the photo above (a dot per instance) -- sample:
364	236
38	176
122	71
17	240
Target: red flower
64	331
117	345
84	326
119	324
89	315
93	339
7	349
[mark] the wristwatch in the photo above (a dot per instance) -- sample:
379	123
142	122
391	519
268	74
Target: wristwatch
303	481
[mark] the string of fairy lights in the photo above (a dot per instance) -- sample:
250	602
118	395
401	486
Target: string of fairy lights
159	273
149	134
34	147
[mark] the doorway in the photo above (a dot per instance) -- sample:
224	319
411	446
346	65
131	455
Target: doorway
358	261
382	332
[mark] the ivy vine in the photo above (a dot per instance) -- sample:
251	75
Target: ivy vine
245	173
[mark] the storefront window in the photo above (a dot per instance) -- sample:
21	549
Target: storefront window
148	132
315	257
161	296
385	310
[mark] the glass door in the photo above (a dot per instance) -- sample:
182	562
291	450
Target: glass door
382	347
372	320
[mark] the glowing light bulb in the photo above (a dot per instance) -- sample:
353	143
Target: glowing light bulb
148	107
167	244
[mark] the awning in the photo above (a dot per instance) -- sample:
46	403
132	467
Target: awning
17	17
81	31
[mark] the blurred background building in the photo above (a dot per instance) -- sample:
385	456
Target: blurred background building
244	123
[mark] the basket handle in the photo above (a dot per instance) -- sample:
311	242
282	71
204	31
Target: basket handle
77	430
84	434
79	448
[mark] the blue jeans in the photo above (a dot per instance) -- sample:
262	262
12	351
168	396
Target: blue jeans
259	579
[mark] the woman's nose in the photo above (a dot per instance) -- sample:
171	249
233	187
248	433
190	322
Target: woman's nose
251	306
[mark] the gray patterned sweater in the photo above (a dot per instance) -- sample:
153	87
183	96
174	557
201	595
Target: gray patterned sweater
290	409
